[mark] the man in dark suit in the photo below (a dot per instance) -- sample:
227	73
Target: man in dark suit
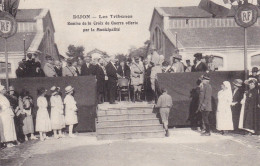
21	71
238	94
199	66
30	66
111	70
87	68
205	103
100	76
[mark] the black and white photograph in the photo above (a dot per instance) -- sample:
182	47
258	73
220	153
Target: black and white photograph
129	83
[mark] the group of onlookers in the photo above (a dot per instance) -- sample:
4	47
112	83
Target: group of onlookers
238	106
141	73
17	116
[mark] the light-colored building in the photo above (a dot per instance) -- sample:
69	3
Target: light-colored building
35	34
192	30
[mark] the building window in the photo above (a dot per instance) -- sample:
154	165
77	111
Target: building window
158	38
255	60
2	67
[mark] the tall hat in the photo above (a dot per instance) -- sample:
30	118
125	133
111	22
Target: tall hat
238	82
198	55
68	89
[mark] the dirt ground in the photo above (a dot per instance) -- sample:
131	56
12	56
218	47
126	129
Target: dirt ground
183	147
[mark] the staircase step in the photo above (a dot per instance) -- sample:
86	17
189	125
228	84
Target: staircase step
130	128
124	111
119	123
132	135
126	117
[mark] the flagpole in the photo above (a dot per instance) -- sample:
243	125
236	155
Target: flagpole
6	65
245	53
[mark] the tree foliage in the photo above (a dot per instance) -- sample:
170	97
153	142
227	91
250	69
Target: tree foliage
75	51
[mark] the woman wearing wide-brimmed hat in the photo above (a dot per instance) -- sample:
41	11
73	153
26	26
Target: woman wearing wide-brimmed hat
43	122
57	112
71	117
7	127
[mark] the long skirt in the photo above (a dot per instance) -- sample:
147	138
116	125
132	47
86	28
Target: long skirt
43	122
7	129
28	127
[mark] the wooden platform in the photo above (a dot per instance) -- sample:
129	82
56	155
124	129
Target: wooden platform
127	120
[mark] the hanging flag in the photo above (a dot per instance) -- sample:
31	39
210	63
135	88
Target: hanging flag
11	6
219	8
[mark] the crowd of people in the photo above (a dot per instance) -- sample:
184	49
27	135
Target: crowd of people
141	73
53	115
237	108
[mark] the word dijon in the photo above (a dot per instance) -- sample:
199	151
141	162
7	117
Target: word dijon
101	16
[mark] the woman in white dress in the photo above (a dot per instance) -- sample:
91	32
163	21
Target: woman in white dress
224	113
71	117
7	133
57	113
43	122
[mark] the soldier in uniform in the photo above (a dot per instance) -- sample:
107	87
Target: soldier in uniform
137	76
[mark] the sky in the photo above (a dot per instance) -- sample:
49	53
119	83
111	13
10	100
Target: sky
62	12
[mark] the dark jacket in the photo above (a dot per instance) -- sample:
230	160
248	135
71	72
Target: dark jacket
86	71
205	97
126	72
20	73
202	67
31	68
58	71
100	76
111	72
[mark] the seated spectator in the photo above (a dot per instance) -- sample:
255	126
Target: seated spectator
58	68
70	69
49	67
123	70
21	71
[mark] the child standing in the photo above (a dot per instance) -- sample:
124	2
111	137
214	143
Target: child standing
70	109
26	105
165	104
43	122
57	114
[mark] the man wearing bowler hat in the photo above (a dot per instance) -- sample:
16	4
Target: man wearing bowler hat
199	66
205	103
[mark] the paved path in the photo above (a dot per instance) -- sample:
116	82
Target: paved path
184	147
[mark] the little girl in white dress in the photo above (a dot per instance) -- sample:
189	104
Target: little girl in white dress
43	122
71	117
57	113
